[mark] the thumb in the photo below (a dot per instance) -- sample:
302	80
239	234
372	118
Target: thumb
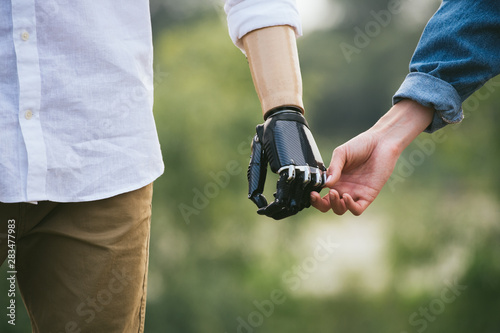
336	165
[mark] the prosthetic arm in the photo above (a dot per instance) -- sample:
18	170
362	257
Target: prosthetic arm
284	140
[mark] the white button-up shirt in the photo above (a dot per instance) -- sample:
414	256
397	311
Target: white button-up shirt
76	97
76	94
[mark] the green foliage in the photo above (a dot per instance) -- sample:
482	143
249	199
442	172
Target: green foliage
213	273
215	266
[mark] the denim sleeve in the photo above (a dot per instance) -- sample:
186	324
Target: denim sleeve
458	52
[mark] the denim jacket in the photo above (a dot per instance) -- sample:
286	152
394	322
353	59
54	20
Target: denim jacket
458	52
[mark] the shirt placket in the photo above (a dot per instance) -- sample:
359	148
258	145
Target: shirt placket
28	69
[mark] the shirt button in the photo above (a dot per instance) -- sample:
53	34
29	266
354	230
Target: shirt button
28	114
25	35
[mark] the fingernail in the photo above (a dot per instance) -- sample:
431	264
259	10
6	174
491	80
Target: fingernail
313	198
329	178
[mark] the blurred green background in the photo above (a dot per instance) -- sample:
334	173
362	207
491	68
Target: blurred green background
425	256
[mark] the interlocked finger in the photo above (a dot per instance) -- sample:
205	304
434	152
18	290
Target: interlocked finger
293	191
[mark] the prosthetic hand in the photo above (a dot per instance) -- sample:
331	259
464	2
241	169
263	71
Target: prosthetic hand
285	142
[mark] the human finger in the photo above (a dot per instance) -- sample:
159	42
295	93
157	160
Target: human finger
321	204
355	207
337	203
337	163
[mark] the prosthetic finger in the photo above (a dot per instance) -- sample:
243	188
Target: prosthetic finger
293	191
280	207
257	170
307	179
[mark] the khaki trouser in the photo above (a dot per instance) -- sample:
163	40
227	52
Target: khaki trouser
81	267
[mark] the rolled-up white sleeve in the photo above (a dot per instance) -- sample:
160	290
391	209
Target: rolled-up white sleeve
244	16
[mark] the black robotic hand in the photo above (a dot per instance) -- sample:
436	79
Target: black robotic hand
286	143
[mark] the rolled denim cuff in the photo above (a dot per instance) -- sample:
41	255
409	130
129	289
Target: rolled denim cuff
433	92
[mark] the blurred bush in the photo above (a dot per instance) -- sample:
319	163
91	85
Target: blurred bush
422	258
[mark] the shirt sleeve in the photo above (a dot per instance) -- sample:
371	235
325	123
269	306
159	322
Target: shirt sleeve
458	52
244	16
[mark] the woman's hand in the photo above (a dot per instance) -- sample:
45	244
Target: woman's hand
360	167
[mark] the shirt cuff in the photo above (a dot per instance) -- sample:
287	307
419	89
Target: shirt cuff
244	16
433	92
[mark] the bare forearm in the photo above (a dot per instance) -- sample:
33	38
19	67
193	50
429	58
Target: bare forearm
274	65
403	123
